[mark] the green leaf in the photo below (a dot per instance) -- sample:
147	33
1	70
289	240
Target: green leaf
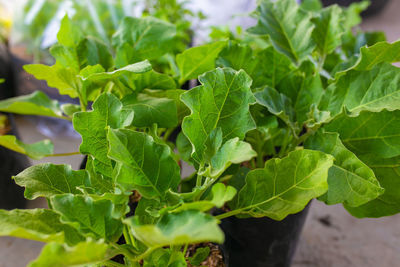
37	103
232	152
220	194
149	110
175	95
350	181
91	51
57	76
200	256
92	126
46	180
223	101
88	252
144	165
278	104
70	109
39	224
198	60
370	132
387	171
91	217
377	53
137	68
373	90
68	35
266	67
284	186
150	80
328	29
165	257
288	26
311	5
178	229
37	150
143	38
352	14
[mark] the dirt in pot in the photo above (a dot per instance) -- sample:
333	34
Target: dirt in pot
215	256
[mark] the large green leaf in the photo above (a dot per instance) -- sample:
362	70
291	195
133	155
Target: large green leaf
288	26
90	217
278	104
37	103
370	132
328	29
144	165
178	229
223	101
373	90
37	150
350	181
197	60
92	126
266	67
39	224
143	38
284	186
388	173
136	68
84	253
46	180
149	110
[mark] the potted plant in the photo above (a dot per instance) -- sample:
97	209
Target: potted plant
291	114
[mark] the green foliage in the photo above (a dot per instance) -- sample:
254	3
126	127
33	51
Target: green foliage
288	111
37	150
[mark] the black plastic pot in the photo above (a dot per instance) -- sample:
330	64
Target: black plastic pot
262	242
375	7
11	163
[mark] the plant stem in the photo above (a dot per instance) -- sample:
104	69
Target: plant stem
227	214
168	134
128	237
63	154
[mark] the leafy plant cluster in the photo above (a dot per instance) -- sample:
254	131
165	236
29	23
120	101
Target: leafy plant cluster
297	108
97	18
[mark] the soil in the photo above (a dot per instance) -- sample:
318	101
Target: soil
215	259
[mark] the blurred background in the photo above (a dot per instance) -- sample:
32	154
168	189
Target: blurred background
28	28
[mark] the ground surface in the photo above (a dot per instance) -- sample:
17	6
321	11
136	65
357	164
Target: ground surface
331	237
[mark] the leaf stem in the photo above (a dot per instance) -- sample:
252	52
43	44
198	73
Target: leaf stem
168	133
227	214
63	154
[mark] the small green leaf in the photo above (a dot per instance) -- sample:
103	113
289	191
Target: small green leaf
223	101
232	152
91	51
350	181
137	68
91	217
84	253
288	26
328	29
284	186
149	110
143	38
39	224
200	256
388	173
92	126
46	180
278	104
57	76
178	229
311	5
352	14
165	257
198	60
70	109
69	35
144	165
220	194
37	103
37	150
369	133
